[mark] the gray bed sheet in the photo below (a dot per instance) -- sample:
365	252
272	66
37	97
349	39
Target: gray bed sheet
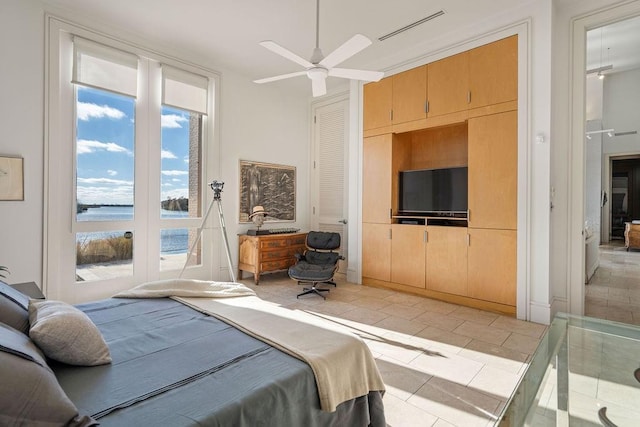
175	366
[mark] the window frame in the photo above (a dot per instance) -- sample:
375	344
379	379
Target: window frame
60	224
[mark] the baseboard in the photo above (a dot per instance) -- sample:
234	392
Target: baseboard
539	312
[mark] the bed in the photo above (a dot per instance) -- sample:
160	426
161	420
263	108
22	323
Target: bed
175	365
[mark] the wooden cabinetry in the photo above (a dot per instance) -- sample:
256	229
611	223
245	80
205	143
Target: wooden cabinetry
448	85
377	99
261	254
493	171
408	248
376	251
471	121
492	265
493	73
447	259
377	179
409	95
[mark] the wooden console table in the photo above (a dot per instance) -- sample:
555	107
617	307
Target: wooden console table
268	253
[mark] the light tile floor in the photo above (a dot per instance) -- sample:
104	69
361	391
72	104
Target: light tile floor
443	364
613	293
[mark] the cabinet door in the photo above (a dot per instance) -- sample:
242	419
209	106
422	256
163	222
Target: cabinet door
448	85
493	171
492	265
377	179
376	251
377	104
408	255
410	95
447	259
493	72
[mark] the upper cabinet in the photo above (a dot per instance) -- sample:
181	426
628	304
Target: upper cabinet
377	98
480	77
448	85
493	73
409	95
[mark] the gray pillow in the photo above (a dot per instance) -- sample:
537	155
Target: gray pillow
29	392
14	308
66	334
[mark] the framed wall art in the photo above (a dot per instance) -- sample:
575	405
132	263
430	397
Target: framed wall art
268	185
11	178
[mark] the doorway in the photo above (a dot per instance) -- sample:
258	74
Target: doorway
610	186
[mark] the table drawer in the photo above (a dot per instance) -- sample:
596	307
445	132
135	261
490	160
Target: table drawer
282	264
278	254
273	243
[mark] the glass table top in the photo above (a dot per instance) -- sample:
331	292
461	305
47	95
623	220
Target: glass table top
585	372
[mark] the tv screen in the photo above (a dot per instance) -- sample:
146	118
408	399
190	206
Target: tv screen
433	191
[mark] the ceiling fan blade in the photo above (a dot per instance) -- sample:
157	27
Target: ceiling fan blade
349	73
349	48
280	77
318	87
276	48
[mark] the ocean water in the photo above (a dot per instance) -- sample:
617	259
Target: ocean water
172	241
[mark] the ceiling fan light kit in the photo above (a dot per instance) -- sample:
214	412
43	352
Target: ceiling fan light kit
319	67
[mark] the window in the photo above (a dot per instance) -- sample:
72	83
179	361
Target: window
139	128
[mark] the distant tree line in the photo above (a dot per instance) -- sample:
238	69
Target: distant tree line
179	204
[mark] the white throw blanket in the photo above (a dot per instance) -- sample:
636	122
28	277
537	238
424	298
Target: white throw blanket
186	288
343	365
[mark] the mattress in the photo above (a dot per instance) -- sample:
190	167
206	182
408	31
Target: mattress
175	366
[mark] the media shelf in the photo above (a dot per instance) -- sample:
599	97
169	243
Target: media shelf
448	221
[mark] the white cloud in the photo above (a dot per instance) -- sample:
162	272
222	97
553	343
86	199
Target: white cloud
114	192
174	193
176	180
166	154
172	121
108	181
186	159
175	173
111	172
88	110
167	184
86	146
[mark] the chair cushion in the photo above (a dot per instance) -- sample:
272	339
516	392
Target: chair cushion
306	272
322	258
323	240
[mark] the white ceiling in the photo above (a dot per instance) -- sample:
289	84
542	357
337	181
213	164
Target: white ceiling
227	32
616	44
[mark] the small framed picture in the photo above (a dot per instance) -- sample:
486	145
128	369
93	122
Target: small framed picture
11	178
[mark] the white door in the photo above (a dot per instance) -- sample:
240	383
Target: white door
329	186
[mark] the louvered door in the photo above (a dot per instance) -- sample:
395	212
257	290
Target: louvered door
331	132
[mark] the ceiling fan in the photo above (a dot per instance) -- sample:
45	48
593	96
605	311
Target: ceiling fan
319	67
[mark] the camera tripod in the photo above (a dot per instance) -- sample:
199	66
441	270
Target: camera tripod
217	187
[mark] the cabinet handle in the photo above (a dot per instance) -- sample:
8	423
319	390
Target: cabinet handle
390	213
426	106
391	115
468	239
390	236
425	238
468	97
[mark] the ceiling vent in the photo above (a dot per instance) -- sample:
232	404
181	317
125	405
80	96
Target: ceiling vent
415	24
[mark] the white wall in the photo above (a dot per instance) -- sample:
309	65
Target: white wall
622	111
256	123
21	124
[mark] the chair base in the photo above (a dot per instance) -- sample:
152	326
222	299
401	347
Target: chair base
313	290
328	282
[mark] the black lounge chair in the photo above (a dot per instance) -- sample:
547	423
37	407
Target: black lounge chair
319	262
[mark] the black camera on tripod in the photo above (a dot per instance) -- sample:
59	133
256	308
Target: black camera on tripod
217	187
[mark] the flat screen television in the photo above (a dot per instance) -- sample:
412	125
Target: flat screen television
433	191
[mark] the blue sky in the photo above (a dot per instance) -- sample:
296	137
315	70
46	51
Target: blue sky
105	149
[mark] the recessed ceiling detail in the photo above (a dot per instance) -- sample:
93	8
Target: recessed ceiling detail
414	24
